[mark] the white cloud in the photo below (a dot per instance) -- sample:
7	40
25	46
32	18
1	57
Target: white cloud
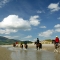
40	11
7	31
3	2
34	20
57	26
54	7
14	22
47	33
58	18
42	26
29	36
57	30
11	37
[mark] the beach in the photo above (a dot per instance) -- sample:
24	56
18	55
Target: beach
5	54
8	52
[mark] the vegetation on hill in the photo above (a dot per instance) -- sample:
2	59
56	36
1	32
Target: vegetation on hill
49	40
4	41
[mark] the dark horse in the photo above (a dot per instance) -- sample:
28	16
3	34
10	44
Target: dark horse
21	45
38	45
26	46
14	45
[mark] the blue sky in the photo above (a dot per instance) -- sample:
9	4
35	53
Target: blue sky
30	19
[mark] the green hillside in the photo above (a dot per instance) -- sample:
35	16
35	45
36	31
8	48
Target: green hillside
4	41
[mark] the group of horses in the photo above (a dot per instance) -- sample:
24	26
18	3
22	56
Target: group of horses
25	46
38	45
21	45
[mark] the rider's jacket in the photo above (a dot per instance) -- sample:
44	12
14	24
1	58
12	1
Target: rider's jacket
57	40
16	42
37	41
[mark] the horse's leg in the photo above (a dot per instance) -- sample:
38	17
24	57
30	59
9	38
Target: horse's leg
37	47
26	46
22	46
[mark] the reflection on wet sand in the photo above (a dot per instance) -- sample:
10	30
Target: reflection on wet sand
32	54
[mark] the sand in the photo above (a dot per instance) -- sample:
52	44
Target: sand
4	54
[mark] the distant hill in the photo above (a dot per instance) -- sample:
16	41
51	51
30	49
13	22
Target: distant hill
4	41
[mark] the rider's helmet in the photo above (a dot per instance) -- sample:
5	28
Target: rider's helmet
56	36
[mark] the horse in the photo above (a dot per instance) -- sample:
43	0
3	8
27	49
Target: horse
14	44
26	46
56	46
21	45
38	45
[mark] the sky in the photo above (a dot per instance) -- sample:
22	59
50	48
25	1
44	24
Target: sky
30	19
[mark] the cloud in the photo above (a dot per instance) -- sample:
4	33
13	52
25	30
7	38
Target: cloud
7	31
42	26
57	30
11	37
47	33
34	20
29	36
3	2
14	22
40	11
58	18
57	26
54	7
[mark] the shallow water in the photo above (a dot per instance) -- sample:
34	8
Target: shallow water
31	54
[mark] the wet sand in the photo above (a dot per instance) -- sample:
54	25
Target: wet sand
5	54
46	53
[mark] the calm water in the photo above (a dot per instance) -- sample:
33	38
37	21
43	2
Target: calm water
31	54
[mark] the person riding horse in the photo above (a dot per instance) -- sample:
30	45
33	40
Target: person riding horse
21	45
25	45
56	42
38	45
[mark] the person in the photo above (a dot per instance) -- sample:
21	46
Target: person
25	45
37	41
16	44
56	42
38	44
21	45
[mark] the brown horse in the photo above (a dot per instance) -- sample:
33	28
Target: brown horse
14	45
26	46
38	45
21	45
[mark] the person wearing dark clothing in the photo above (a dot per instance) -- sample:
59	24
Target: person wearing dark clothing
37	41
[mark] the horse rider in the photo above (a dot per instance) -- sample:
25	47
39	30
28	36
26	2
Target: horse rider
37	41
21	45
56	42
25	45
